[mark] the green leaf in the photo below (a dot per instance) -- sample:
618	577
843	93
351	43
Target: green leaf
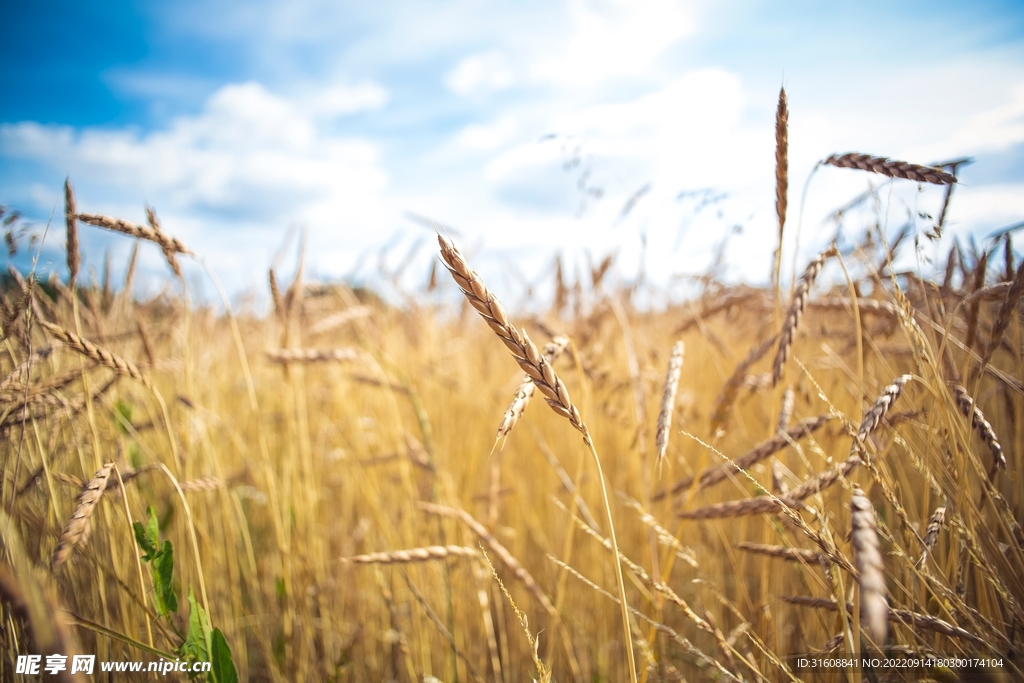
163	573
123	415
194	646
148	536
223	668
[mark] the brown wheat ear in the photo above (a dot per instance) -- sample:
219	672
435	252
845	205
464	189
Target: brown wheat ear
1006	308
781	173
77	528
526	390
982	426
796	311
519	343
668	401
893	169
874	607
931	534
97	353
881	407
74	257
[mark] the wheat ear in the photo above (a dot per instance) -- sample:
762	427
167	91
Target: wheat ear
169	245
796	311
77	528
668	401
554	390
1006	310
97	353
881	407
874	607
931	534
430	552
526	390
982	426
765	449
781	174
71	246
891	168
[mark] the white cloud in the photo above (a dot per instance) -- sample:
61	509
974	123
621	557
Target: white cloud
609	39
489	136
480	72
250	161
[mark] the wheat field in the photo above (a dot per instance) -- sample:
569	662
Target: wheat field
349	489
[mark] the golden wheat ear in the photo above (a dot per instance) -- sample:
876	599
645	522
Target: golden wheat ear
77	528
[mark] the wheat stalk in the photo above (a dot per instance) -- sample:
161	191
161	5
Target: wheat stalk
497	548
796	311
285	356
668	401
736	381
891	168
77	528
430	552
982	426
867	557
96	353
554	390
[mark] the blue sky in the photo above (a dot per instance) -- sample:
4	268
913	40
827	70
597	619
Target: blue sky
527	127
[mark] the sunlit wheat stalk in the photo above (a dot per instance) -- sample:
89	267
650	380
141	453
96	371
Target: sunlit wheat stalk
554	390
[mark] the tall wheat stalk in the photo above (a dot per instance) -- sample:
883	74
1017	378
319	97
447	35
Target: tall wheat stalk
533	363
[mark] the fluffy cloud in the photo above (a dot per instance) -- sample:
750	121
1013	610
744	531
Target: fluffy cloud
251	160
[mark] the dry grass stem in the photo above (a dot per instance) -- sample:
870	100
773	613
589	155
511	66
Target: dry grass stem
668	401
868	558
892	169
77	528
796	311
